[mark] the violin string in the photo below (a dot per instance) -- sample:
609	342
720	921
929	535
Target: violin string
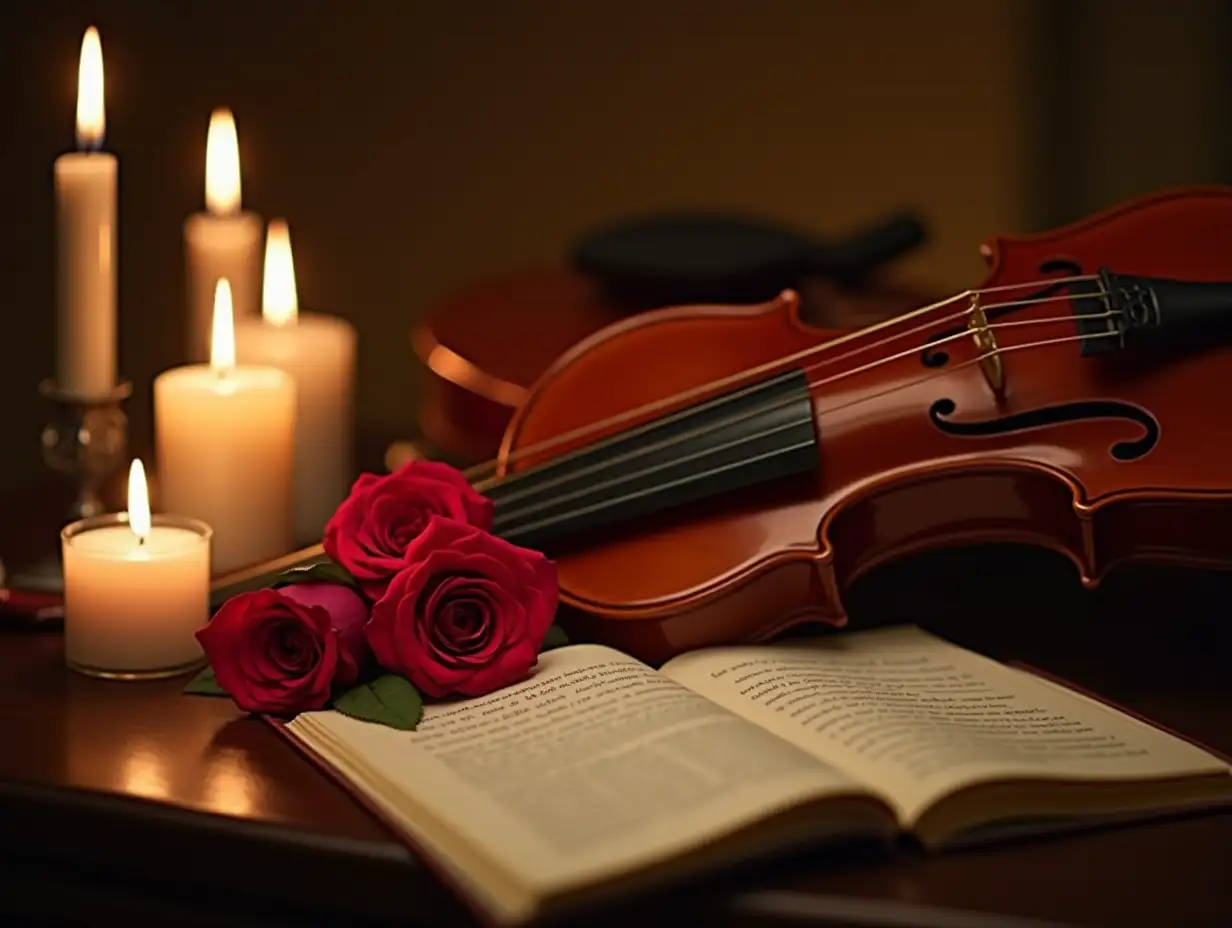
738	377
506	480
507	516
516	517
475	472
539	486
312	552
714	471
957	336
1043	343
1002	288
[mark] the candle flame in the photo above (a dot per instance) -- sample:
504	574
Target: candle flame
91	114
222	164
222	337
138	501
279	299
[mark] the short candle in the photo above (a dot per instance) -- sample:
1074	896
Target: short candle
318	352
136	590
225	438
222	242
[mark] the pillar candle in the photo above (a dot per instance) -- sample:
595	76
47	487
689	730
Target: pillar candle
136	590
222	242
318	352
85	197
224	436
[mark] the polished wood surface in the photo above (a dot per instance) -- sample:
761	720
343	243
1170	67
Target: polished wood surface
93	767
134	799
904	465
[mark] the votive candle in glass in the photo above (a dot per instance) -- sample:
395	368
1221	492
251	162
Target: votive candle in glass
136	590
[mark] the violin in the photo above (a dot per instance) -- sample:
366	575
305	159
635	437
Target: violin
754	468
484	345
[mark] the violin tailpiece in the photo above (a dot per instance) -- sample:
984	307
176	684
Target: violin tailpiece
1134	311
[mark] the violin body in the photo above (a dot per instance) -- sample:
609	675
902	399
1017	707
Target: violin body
925	434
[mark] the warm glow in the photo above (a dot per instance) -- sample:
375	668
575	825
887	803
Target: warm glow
144	773
138	500
91	116
222	164
279	300
228	786
222	338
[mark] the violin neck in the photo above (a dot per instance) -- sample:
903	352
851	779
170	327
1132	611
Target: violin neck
750	436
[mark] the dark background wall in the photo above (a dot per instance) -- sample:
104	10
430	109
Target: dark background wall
416	145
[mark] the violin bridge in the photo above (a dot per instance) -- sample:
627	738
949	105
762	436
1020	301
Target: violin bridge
986	344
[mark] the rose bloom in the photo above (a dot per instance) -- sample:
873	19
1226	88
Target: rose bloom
371	530
468	613
285	651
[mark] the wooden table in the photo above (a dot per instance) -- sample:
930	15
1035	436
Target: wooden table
132	800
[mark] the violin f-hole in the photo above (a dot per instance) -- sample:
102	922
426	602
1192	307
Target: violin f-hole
1057	414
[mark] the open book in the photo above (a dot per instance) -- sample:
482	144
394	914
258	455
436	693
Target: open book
600	775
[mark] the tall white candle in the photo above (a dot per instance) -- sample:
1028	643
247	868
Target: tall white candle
85	196
222	242
136	590
318	352
225	440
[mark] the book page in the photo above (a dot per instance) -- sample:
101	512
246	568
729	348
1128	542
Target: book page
595	761
919	717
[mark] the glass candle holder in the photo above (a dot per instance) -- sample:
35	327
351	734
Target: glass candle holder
132	606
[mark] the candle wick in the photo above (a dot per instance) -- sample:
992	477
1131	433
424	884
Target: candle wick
140	541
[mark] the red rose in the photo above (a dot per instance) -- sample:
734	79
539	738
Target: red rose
370	531
284	651
466	615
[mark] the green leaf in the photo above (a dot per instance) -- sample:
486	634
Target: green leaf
326	571
205	684
555	638
389	700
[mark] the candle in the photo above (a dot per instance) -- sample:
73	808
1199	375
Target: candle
223	241
85	196
318	352
224	437
136	590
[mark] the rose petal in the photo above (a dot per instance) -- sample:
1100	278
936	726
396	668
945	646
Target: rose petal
347	613
370	531
506	623
513	665
272	653
465	624
466	614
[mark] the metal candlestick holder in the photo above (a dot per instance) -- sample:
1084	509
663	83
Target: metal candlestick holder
86	439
